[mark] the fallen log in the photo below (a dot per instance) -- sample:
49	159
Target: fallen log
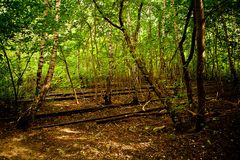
84	96
91	95
85	110
129	116
94	92
101	119
77	111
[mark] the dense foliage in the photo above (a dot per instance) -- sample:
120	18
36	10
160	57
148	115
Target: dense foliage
84	39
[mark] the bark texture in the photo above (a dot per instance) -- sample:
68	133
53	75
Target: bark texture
199	17
52	63
41	56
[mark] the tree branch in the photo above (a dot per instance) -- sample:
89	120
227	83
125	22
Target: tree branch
106	18
190	9
192	47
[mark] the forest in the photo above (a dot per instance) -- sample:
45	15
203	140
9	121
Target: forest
119	79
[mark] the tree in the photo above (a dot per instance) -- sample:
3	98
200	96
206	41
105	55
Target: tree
14	21
199	17
230	60
41	55
27	117
131	41
107	96
183	59
52	63
68	74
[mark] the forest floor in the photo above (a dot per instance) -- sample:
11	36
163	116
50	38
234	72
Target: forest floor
142	137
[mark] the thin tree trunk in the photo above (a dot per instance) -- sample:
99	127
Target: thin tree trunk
175	67
199	17
230	60
107	96
69	76
41	57
20	76
141	66
150	50
52	63
11	75
164	18
217	70
186	76
175	24
133	73
184	66
162	39
93	62
133	78
131	43
78	65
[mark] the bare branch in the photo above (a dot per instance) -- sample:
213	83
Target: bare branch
190	9
106	18
192	47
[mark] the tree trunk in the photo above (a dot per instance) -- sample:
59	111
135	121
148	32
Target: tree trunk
199	17
164	18
41	58
162	40
220	89
150	50
11	75
52	63
107	96
183	60
80	78
230	60
175	24
69	76
131	43
186	76
133	78
141	66
93	62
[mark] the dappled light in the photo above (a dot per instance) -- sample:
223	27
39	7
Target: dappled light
68	130
119	79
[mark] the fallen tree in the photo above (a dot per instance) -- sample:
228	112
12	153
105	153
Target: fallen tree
124	116
110	118
77	111
100	91
88	109
71	97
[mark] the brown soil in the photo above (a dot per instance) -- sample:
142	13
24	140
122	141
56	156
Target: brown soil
149	137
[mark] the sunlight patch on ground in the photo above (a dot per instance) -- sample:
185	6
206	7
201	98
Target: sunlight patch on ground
131	146
64	137
68	130
97	145
70	155
14	149
17	139
103	153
